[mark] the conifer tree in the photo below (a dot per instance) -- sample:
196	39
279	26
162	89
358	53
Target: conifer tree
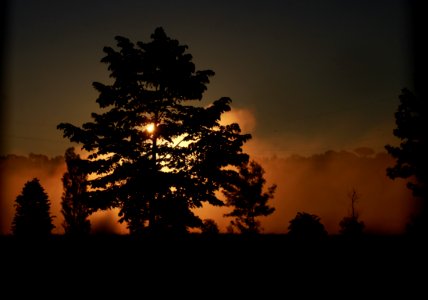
32	217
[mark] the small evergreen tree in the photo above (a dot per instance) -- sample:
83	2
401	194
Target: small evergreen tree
245	194
74	198
32	217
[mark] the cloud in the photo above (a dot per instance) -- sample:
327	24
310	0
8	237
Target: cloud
244	117
107	222
17	170
320	184
287	143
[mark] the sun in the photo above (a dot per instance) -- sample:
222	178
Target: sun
150	128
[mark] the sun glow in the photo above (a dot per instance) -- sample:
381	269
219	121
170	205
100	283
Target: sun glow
150	128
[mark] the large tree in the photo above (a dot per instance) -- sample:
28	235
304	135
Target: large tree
155	155
32	217
246	195
74	198
411	121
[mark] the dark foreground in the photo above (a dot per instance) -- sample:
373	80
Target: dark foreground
267	264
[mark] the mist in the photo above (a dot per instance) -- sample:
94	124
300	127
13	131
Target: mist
318	184
16	171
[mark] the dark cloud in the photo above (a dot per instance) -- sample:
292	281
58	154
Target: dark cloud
302	67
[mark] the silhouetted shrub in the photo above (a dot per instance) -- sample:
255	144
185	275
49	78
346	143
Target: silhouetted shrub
351	227
306	227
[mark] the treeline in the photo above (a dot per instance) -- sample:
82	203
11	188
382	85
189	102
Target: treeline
156	155
33	217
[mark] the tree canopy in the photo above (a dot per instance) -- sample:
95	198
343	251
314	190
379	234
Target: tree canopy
411	121
74	198
248	199
209	227
154	154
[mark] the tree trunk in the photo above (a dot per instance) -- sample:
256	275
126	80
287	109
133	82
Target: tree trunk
152	210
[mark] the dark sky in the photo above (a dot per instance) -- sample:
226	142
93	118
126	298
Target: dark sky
309	75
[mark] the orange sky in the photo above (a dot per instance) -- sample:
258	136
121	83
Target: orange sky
314	183
305	77
318	184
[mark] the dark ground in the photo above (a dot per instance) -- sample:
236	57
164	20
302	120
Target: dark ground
271	266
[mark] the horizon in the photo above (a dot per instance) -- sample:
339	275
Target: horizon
385	204
307	80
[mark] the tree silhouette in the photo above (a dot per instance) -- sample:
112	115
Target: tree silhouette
411	128
155	156
32	217
230	229
74	197
245	194
306	227
210	227
350	226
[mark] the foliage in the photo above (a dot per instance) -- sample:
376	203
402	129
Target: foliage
32	217
411	121
306	227
210	227
74	198
154	155
245	194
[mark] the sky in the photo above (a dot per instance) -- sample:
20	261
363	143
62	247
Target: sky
318	184
305	77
